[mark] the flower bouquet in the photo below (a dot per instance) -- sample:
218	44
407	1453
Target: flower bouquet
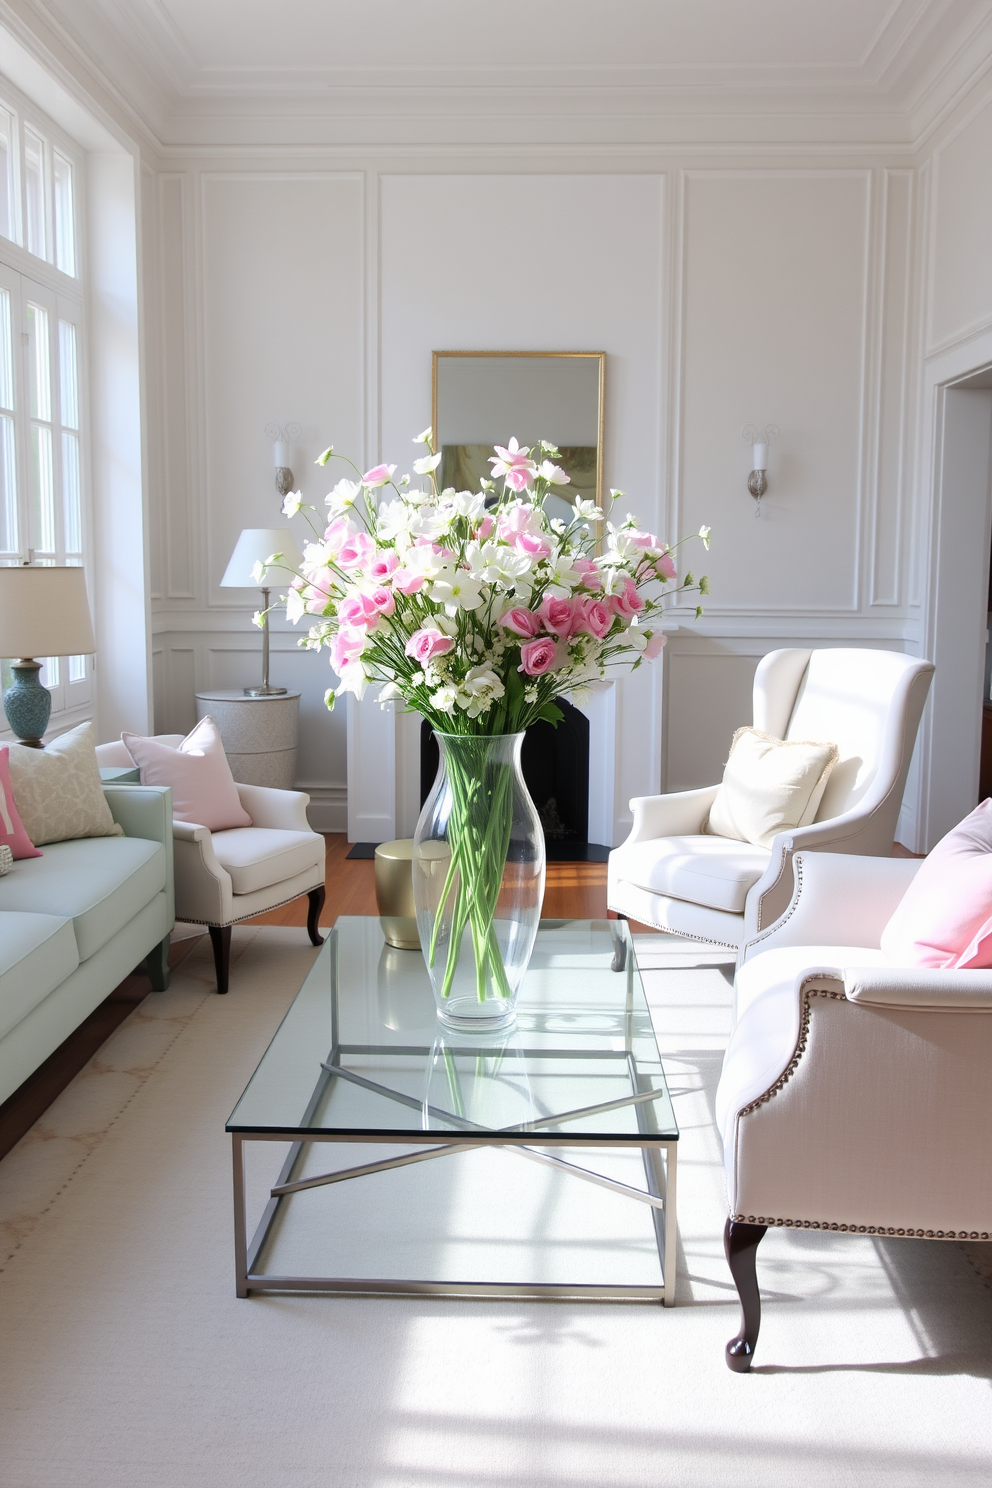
477	610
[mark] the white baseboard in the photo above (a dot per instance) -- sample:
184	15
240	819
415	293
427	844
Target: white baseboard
328	809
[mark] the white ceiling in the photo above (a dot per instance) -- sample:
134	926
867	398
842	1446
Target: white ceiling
171	58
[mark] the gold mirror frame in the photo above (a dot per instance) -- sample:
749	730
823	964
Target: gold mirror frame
596	356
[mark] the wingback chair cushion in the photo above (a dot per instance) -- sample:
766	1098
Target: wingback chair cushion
769	786
714	871
257	857
945	918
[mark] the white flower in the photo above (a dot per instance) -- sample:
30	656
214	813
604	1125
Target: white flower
470	504
422	559
495	563
389	694
457	590
553	474
316	555
479	691
587	511
392	520
342	498
295	607
292	503
258	619
354	678
425	465
704	533
444	699
425	437
428	522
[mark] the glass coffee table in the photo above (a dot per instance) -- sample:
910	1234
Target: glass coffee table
479	1182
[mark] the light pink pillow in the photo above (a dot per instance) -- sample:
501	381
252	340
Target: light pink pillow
12	829
944	919
203	788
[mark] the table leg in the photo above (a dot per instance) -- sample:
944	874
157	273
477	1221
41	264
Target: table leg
671	1225
240	1223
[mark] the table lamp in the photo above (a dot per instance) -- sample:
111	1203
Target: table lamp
256	546
43	612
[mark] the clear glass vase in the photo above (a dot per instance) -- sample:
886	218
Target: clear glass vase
478	879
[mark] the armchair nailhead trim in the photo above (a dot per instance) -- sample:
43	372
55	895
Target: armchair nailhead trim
808	992
852	1229
684	934
797	871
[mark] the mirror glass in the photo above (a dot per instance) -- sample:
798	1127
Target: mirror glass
483	398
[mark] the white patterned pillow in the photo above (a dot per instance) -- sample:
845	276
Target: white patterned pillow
58	791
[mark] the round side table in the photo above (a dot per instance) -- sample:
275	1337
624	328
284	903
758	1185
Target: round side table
259	734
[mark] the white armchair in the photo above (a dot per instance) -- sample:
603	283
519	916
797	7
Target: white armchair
670	874
224	877
854	1094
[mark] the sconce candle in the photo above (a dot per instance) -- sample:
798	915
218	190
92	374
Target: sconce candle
759	456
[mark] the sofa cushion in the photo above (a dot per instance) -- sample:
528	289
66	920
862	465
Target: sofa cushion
714	871
37	953
58	789
944	919
257	857
100	883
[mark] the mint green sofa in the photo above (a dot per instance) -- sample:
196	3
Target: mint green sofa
79	919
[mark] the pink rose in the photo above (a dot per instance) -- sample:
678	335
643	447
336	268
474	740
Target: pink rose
529	544
597	618
357	611
485	528
338	533
345	648
654	646
560	616
383	566
382	599
665	566
377	476
407	581
356	552
629	603
427	642
522	622
591	576
538	657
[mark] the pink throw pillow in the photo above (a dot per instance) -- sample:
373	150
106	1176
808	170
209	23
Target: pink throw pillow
203	788
944	919
11	827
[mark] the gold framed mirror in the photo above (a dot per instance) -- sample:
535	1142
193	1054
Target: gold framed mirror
481	398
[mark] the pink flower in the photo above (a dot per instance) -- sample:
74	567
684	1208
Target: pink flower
357	611
382	599
629	603
529	544
642	539
591	576
666	566
317	590
485	528
407	581
522	622
514	464
538	657
377	476
560	616
427	642
356	552
383	566
654	646
337	534
597	618
345	648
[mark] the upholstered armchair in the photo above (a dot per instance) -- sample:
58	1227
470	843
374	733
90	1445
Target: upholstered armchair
224	877
671	874
855	1094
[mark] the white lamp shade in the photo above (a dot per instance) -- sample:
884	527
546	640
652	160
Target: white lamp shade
44	612
257	545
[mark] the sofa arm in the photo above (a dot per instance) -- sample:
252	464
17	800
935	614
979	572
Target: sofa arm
918	987
283	809
146	811
836	900
677	814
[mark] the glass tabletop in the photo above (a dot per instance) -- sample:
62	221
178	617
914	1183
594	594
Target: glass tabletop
360	1053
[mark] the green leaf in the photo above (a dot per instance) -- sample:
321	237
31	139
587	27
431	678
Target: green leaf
514	689
552	714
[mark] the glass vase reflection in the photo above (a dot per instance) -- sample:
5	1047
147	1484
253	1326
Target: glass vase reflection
478	879
478	1079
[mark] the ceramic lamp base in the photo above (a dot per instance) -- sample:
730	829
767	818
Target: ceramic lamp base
27	704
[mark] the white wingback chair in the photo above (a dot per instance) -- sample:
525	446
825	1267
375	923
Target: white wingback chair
224	877
855	1094
671	874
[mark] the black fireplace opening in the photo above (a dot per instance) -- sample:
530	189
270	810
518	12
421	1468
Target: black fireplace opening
555	764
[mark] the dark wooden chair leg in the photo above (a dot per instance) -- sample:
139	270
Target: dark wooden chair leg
740	1242
158	966
220	939
316	897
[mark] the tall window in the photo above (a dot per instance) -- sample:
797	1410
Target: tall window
42	465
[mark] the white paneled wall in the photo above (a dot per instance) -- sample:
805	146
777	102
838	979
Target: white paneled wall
770	291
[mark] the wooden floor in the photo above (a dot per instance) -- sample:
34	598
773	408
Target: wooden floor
573	890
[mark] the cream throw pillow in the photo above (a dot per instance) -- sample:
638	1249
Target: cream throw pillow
769	786
57	789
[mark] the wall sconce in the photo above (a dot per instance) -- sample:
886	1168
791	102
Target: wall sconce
759	440
282	437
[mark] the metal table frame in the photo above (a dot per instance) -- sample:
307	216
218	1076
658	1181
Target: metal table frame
660	1192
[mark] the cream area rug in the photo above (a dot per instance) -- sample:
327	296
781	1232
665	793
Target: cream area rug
126	1361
